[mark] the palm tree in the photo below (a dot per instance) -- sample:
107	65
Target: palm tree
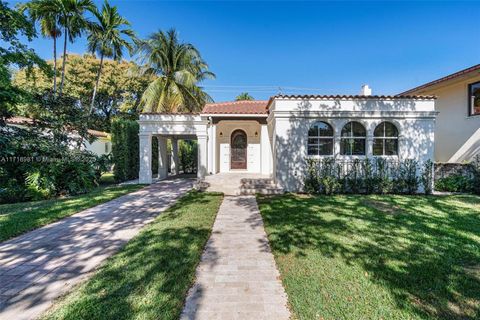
106	38
179	69
244	96
47	13
74	23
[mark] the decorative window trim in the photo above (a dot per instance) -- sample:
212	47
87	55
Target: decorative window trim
470	105
319	138
354	139
384	138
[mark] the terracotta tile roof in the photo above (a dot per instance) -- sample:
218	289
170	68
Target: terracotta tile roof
28	121
237	107
443	79
350	97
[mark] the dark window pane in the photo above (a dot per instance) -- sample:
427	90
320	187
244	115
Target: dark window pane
326	147
347	130
475	98
379	130
358	129
312	140
325	130
390	130
312	150
391	147
358	147
313	131
346	146
377	147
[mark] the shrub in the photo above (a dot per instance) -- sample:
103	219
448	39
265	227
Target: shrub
125	149
370	181
383	179
427	177
33	167
311	181
455	183
187	155
475	165
328	178
407	180
354	179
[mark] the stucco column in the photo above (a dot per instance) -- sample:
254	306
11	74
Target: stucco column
175	164
337	140
211	149
162	158
265	151
145	172
202	156
369	146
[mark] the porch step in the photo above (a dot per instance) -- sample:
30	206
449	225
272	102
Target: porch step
261	185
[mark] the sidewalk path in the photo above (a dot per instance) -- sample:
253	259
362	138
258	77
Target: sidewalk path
237	277
39	266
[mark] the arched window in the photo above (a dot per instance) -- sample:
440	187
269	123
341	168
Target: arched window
353	139
385	140
320	139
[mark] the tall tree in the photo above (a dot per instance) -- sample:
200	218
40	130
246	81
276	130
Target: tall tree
13	53
47	13
73	22
179	68
107	38
244	96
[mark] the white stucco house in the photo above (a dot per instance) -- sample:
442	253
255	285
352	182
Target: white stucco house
100	146
457	128
275	137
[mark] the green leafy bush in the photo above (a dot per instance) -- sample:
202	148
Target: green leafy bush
475	165
330	176
455	183
125	149
187	154
34	167
427	177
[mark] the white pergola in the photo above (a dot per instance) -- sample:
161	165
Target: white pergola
174	127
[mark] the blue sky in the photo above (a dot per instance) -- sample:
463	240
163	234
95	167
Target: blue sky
314	47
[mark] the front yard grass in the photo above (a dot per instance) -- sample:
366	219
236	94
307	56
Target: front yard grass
377	257
149	278
19	218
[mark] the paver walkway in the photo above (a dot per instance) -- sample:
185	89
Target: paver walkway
41	265
237	277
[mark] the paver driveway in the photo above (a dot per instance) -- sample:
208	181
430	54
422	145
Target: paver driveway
39	266
237	277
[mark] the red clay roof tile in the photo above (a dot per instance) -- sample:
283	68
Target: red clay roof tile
237	107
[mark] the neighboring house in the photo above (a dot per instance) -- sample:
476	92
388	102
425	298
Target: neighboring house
102	144
457	128
275	137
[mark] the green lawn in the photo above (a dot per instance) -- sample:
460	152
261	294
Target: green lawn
150	276
19	218
377	257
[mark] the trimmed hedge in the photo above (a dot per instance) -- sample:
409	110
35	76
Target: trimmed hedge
125	149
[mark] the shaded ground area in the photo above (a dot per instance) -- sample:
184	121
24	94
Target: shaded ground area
377	257
237	277
19	218
41	265
150	276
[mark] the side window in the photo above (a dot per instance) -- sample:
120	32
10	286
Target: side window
320	139
354	138
474	99
385	140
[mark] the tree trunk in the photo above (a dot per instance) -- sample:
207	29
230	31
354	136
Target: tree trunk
55	64
96	83
64	60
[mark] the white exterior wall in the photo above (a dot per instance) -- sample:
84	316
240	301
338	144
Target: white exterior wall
258	149
100	146
291	120
457	134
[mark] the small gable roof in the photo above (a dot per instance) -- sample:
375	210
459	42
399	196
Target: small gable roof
237	107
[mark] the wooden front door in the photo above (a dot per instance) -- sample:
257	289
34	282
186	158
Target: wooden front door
238	150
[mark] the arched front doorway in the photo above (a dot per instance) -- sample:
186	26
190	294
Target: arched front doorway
238	150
